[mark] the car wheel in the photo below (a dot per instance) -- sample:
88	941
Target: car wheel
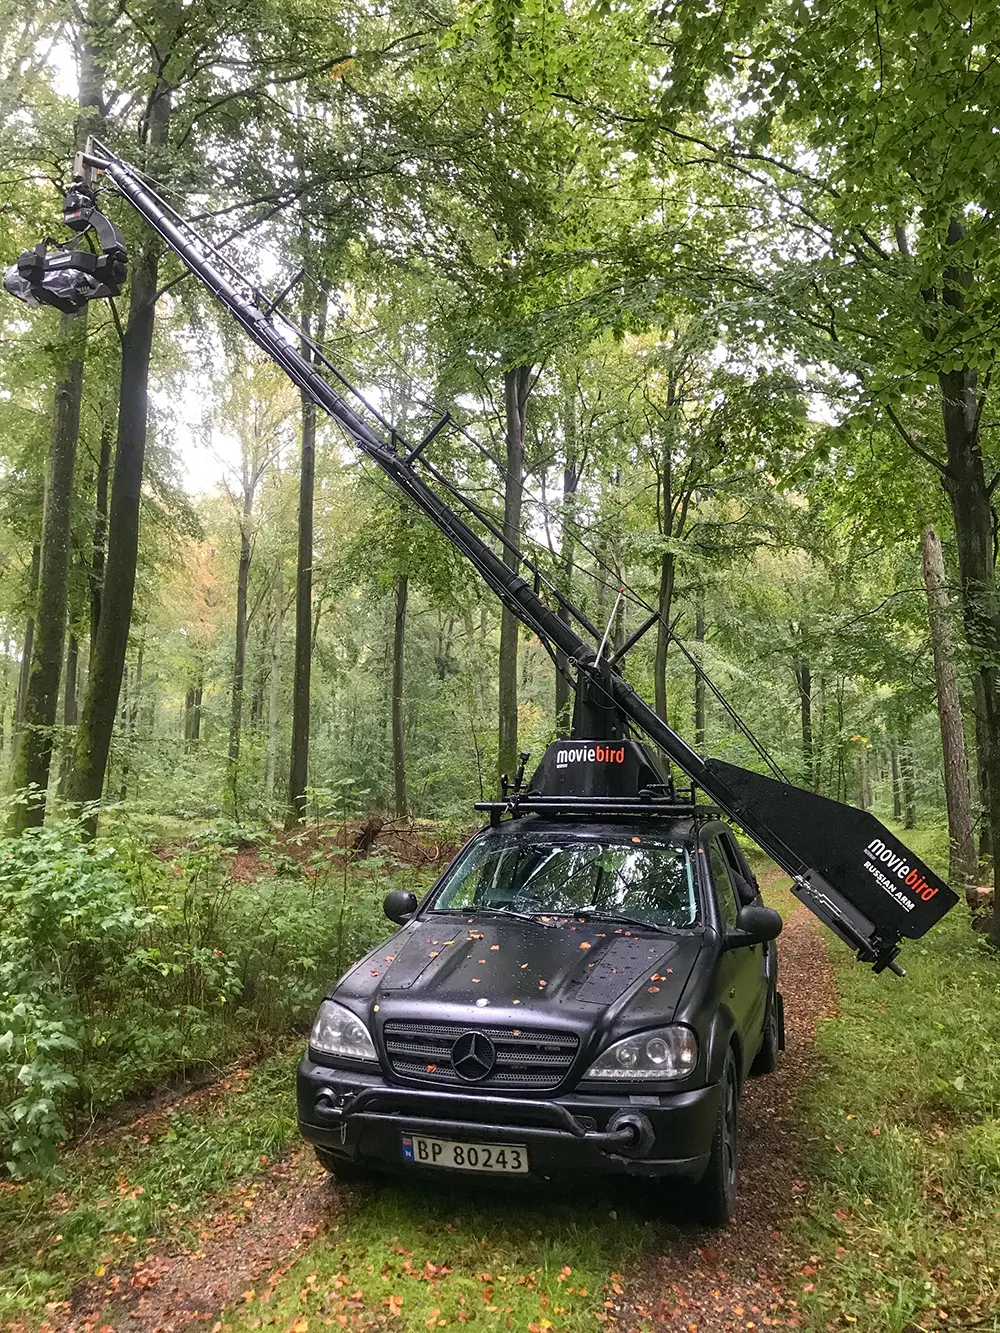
766	1059
714	1197
341	1168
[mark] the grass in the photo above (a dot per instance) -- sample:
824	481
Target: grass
410	1257
468	1253
152	1179
904	1219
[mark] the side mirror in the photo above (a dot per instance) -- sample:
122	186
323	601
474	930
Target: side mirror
755	924
400	905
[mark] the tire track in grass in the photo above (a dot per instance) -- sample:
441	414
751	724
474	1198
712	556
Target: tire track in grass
253	1238
740	1279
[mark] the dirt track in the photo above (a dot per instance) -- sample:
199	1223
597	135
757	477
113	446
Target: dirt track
698	1281
737	1279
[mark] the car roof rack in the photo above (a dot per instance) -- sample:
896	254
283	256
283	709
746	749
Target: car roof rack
649	804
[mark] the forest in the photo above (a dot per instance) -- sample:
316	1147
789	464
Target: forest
709	294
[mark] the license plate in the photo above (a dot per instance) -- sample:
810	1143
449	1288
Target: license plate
502	1157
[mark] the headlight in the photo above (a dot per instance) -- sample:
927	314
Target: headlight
662	1053
337	1032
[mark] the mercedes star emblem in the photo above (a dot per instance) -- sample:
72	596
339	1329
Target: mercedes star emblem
473	1057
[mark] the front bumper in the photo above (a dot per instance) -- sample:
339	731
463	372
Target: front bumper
362	1118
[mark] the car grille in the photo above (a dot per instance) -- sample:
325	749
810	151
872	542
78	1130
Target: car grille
526	1058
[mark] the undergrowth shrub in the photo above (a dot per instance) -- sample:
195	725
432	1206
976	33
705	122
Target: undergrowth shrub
119	968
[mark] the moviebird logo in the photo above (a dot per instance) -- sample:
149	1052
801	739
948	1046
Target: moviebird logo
897	866
590	754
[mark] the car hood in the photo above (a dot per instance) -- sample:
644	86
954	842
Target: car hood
481	965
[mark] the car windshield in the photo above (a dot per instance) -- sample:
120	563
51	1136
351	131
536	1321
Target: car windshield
637	877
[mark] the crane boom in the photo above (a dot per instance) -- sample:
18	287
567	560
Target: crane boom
846	867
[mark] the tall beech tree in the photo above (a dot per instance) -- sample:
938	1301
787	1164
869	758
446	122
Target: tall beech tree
36	738
257	410
314	324
107	654
516	387
962	859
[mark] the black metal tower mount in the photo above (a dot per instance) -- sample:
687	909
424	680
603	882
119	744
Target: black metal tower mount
847	868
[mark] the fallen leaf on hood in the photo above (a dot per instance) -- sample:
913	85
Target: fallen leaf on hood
585	945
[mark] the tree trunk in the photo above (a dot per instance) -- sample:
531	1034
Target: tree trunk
699	679
4	700
962	856
909	788
273	691
107	657
803	679
571	481
398	735
100	528
240	651
130	716
982	771
664	603
27	651
71	709
897	796
964	481
515	391
33	757
971	507
298	774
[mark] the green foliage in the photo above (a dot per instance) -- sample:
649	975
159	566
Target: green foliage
908	1140
119	968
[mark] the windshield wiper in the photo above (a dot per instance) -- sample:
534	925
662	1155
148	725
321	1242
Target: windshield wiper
591	913
501	911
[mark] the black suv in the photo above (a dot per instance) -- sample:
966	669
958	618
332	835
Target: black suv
569	998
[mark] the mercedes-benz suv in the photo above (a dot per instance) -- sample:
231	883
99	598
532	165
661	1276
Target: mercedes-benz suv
568	999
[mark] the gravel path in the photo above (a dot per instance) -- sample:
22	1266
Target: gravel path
740	1279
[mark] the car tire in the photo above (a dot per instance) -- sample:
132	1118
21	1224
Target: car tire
341	1168
713	1199
766	1059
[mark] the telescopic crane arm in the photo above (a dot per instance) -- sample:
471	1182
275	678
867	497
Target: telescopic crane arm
850	870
